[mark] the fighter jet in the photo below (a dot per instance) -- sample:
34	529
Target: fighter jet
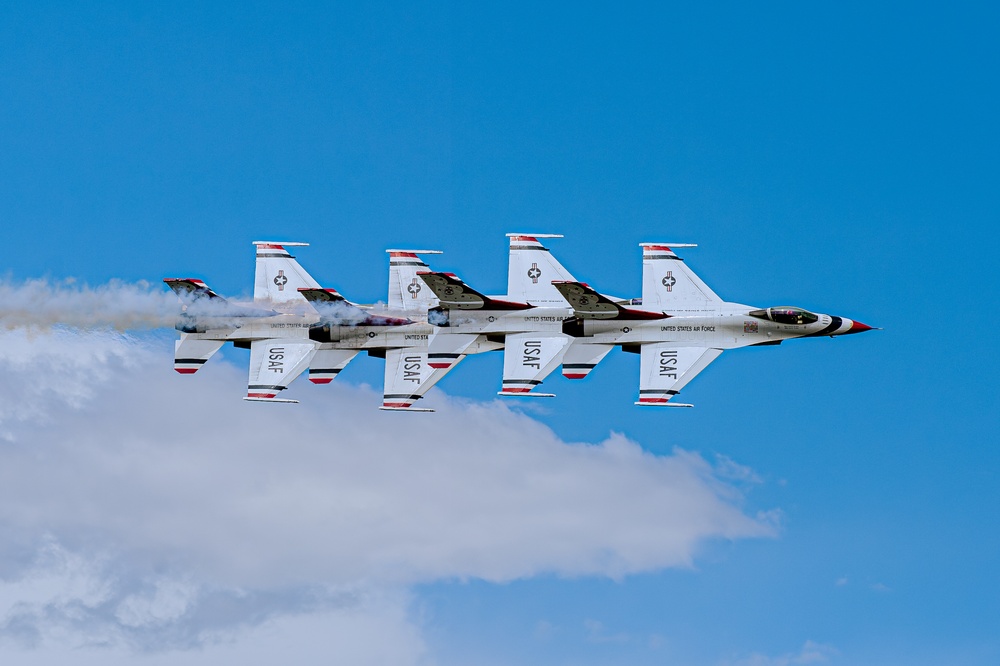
346	329
527	322
275	328
285	335
682	325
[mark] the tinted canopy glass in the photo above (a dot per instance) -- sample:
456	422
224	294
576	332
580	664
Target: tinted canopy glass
786	315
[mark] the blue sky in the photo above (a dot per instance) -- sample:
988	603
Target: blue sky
840	157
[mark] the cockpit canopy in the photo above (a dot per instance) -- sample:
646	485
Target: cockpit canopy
786	315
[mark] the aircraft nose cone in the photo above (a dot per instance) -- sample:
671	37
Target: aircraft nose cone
858	327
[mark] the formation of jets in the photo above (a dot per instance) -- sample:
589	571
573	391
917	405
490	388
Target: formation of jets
432	320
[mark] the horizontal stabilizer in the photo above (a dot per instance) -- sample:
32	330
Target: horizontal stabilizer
191	289
588	304
326	364
452	292
285	400
191	353
526	394
335	309
446	349
581	358
318	295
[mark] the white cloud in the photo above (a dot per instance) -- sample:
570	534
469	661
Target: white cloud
811	653
598	633
173	514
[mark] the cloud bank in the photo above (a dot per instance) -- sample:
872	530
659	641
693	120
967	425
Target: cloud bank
139	507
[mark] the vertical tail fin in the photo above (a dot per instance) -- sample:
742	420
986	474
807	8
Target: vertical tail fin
532	268
667	282
278	276
407	292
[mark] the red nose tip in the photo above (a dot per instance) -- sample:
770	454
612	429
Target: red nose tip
858	327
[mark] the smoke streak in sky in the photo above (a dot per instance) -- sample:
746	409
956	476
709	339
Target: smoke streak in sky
120	305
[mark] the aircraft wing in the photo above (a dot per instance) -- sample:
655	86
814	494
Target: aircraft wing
528	358
274	364
452	292
408	376
664	369
588	304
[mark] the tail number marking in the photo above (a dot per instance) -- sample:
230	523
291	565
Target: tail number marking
532	354
668	364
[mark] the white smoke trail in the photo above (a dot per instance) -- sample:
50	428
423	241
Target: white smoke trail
41	303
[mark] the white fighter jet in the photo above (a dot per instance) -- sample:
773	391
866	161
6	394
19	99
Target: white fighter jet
527	322
682	325
275	328
345	329
285	335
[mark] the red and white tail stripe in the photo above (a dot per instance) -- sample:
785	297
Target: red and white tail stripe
322	376
577	370
651	251
522	388
398	400
188	366
442	360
